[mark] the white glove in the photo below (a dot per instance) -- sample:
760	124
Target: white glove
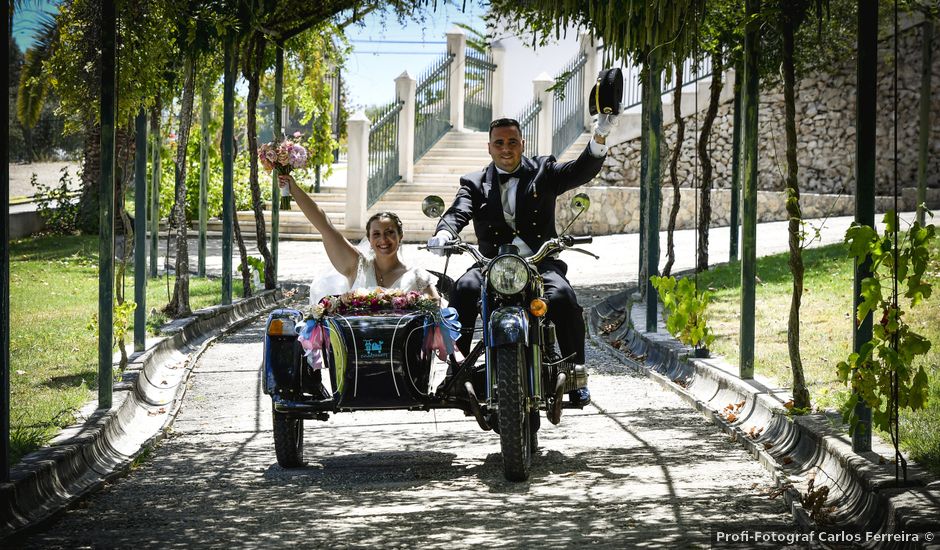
606	123
440	239
284	184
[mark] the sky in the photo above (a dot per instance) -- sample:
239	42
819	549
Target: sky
382	50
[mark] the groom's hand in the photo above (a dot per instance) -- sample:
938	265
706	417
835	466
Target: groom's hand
436	242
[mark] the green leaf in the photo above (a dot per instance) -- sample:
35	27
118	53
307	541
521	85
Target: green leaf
917	396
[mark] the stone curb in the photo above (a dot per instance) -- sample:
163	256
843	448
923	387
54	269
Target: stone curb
145	403
861	489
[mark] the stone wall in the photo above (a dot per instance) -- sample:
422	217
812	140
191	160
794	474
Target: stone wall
825	111
617	209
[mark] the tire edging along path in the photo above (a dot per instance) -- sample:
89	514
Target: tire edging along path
862	495
145	403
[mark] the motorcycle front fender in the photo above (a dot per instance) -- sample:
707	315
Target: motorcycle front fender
508	325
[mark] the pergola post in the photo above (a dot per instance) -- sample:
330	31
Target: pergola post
735	222
644	166
653	184
106	205
923	142
156	149
140	231
749	195
5	268
866	109
228	165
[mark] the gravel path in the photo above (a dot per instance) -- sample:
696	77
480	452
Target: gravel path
638	468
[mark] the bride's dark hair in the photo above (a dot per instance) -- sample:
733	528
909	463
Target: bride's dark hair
390	215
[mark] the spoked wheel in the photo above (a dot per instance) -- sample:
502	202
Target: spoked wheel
288	440
515	424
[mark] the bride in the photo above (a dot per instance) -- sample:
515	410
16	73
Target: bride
379	265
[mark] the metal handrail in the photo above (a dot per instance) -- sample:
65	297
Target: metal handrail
478	90
569	104
383	152
529	126
432	105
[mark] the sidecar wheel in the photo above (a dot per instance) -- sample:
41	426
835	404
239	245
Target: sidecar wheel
515	425
289	440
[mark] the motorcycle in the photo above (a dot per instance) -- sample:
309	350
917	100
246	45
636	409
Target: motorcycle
377	360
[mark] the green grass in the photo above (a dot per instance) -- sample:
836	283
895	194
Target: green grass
825	333
53	353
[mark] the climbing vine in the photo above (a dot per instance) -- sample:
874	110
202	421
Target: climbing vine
888	358
686	306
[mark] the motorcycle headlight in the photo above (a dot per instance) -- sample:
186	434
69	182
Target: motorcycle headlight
508	274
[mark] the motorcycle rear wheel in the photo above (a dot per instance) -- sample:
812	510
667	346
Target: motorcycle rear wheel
515	426
288	440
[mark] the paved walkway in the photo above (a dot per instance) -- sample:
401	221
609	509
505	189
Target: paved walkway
636	469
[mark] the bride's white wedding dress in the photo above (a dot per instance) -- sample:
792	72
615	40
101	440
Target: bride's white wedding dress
414	278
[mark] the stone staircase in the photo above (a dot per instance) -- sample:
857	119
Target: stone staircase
436	173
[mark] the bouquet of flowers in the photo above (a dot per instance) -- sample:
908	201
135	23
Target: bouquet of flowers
378	299
284	156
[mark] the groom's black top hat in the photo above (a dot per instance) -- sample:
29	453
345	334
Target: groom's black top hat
607	93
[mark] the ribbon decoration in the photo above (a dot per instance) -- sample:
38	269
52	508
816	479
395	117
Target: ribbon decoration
440	336
314	338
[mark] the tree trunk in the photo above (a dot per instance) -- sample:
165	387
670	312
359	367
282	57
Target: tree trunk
252	73
91	174
179	304
674	172
705	211
800	393
243	254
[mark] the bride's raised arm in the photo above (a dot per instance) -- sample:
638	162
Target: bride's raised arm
343	255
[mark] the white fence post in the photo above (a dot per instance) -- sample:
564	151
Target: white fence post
405	89
457	45
540	86
498	51
591	67
357	173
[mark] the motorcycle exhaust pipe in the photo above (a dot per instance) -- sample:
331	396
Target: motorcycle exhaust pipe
475	406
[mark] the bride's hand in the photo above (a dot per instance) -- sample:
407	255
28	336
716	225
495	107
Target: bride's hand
284	181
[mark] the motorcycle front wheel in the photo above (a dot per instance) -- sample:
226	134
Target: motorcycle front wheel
515	428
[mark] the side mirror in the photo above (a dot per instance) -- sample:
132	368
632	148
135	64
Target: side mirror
432	206
580	202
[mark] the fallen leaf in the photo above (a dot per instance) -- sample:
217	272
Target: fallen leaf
767	446
788	405
787	460
731	417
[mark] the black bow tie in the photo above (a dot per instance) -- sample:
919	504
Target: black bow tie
503	178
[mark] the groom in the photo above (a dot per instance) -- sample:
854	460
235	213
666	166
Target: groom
512	201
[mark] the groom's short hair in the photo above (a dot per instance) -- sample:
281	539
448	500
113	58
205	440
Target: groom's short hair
503	123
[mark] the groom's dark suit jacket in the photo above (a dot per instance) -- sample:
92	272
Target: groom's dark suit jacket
541	180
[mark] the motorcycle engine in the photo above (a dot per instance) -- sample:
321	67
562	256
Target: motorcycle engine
577	376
